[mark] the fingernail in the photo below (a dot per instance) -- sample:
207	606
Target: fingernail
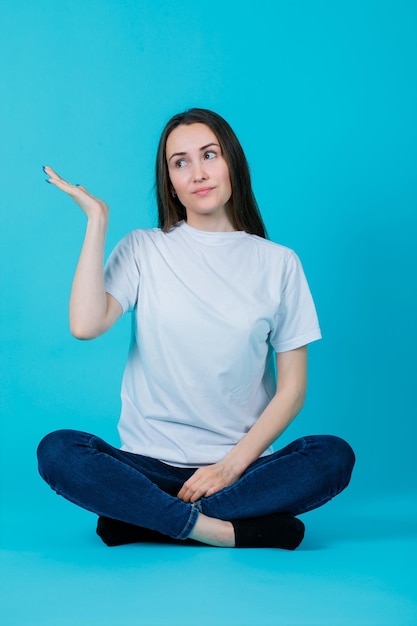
47	181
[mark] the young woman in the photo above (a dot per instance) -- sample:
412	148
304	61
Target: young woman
216	308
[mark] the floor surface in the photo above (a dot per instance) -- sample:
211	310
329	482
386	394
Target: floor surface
355	567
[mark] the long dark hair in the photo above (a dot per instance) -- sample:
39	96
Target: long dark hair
243	208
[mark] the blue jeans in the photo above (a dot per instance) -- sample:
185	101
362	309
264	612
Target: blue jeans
143	491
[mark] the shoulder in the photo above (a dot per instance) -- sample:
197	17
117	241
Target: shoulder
138	234
270	248
135	244
139	237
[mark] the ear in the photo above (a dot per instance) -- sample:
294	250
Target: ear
173	194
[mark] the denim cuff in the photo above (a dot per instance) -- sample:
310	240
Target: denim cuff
194	511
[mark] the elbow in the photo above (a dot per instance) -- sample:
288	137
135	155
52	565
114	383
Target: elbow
300	399
295	398
82	332
300	393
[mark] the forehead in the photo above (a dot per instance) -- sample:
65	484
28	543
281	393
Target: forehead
189	137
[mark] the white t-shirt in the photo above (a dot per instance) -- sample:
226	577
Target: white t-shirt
210	310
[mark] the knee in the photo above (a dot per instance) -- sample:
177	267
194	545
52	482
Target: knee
52	451
341	457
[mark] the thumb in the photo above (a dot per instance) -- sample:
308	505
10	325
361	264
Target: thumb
82	188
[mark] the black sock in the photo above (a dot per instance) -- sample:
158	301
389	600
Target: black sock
116	533
270	531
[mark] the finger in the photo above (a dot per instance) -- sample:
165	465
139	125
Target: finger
181	494
82	189
64	185
194	496
212	491
55	178
50	172
188	485
189	493
185	497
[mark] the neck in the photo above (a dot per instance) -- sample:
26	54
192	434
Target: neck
211	223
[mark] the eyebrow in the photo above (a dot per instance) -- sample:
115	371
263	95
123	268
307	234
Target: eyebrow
212	143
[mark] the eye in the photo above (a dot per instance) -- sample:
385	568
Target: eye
180	163
210	154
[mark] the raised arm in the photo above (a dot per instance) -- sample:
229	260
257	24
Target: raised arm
92	310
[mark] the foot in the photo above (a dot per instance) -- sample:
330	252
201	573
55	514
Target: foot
276	530
116	533
213	532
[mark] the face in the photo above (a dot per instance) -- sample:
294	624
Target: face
199	174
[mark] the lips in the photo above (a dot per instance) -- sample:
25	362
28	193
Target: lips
203	191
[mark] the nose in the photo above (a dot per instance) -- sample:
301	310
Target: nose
199	173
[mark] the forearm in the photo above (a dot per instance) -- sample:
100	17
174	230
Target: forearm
88	302
208	480
278	414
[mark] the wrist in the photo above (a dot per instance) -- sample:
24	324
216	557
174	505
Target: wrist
235	462
97	222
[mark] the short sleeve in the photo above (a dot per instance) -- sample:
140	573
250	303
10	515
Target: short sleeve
122	273
296	323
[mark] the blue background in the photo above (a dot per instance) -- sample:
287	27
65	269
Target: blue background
323	96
